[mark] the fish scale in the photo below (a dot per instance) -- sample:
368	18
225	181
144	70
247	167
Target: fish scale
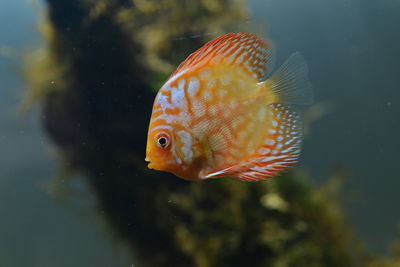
279	151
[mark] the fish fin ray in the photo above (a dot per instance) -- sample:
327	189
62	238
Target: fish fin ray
243	49
290	82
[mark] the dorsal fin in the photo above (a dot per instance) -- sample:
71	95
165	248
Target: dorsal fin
279	151
245	50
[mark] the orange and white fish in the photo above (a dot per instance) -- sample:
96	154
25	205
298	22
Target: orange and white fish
218	115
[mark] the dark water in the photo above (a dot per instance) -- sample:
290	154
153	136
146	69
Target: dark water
352	48
35	230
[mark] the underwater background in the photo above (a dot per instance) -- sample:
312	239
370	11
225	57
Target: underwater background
76	78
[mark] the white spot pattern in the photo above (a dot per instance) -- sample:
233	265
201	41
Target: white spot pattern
207	96
178	98
278	151
186	149
210	84
198	107
222	93
217	142
204	74
193	86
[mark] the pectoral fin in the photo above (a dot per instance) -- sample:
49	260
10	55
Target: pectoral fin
290	82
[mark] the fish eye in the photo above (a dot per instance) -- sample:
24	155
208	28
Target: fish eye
162	140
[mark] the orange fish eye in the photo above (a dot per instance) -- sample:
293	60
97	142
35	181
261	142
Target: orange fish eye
162	140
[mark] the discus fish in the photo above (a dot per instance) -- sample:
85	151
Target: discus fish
218	115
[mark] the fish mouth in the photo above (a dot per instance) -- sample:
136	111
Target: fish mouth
159	164
149	165
154	165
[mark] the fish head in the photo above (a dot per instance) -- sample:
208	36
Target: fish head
173	149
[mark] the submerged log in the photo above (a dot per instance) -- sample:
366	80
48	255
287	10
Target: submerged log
96	81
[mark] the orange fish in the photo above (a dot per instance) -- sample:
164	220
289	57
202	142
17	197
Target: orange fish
217	115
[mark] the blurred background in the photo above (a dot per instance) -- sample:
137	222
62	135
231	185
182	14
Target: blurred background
36	229
50	215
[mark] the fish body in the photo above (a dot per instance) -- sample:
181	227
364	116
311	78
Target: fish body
217	115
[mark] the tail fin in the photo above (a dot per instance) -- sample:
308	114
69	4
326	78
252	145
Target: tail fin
290	82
